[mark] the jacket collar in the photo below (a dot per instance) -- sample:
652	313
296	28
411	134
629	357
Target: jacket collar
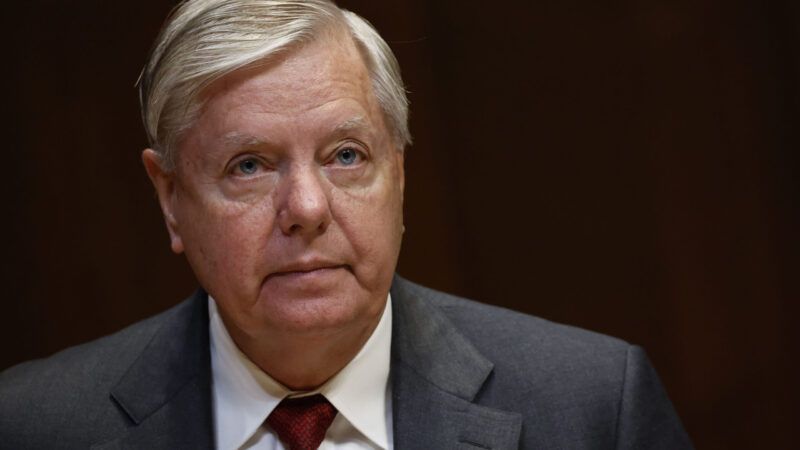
166	393
436	375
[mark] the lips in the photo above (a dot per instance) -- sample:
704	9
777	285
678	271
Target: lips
306	268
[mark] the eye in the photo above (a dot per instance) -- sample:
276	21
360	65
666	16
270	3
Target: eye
248	166
347	156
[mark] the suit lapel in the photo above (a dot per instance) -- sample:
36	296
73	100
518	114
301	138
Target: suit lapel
166	393
436	375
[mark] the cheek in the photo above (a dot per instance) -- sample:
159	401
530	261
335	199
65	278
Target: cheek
371	220
225	241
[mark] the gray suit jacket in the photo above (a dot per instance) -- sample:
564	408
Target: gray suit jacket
464	375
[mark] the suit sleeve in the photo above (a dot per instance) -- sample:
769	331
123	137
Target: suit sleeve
647	419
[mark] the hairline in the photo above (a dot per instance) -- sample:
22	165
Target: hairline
338	25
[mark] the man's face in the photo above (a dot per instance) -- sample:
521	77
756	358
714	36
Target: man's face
287	195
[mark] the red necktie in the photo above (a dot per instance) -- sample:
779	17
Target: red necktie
301	422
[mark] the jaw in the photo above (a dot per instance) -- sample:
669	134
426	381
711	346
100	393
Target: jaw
304	355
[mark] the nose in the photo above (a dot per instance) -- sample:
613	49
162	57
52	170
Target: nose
304	204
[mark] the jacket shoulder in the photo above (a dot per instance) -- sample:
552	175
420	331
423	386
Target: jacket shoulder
532	356
494	329
71	388
573	387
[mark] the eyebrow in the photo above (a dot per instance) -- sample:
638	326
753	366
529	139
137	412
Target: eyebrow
238	139
355	123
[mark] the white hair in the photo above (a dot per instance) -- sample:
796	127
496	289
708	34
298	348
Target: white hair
204	40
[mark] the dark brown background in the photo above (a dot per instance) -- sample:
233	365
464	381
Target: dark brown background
626	166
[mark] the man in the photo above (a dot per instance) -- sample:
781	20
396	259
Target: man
277	131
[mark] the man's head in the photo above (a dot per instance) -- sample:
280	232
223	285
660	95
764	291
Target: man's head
285	183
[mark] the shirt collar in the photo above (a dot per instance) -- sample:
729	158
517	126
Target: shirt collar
244	395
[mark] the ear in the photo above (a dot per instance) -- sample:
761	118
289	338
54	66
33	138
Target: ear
164	182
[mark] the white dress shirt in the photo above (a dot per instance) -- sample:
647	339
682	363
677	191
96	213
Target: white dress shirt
243	395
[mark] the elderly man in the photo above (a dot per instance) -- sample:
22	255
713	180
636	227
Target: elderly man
277	130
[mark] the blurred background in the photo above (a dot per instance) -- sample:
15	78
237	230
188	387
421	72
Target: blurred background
625	166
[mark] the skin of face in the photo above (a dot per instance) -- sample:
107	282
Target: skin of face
286	198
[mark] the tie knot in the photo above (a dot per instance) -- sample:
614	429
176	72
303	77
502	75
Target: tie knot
301	422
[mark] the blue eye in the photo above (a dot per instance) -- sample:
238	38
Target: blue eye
347	156
248	166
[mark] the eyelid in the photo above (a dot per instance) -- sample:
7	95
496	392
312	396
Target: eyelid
233	166
359	148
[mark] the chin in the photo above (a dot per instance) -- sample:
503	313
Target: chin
323	304
319	315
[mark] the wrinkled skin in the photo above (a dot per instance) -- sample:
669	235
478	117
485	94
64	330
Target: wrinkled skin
287	201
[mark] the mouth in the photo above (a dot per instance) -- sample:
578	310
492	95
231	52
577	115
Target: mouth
306	269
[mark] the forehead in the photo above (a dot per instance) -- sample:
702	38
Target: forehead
329	68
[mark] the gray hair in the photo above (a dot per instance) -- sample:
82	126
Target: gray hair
204	40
